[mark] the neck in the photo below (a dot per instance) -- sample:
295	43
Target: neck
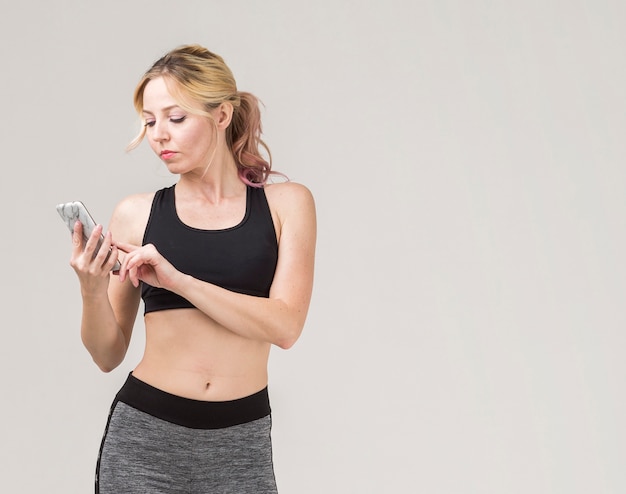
220	180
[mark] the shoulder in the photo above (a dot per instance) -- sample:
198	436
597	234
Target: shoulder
293	207
287	196
130	217
133	205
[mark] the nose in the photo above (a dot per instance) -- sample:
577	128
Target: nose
159	131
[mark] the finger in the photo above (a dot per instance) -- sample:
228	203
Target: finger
101	251
134	270
123	272
92	242
77	238
104	253
124	247
124	268
119	258
134	266
112	259
107	242
133	275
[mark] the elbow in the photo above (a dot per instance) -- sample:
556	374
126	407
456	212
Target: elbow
106	356
106	367
107	361
286	343
288	338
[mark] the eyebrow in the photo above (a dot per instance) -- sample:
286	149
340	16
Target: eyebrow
171	107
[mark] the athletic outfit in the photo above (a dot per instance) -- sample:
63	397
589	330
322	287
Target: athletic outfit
241	259
159	443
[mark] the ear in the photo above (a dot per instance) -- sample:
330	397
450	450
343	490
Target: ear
224	115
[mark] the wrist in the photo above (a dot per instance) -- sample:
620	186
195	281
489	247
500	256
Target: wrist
179	282
94	293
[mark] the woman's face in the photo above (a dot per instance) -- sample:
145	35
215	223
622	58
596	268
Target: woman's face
184	141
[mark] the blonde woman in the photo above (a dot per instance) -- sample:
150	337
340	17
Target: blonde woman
224	264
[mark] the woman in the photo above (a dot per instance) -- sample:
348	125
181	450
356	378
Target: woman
224	264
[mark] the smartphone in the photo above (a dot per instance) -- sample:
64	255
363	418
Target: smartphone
71	212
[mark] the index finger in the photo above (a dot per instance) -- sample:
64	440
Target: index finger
126	248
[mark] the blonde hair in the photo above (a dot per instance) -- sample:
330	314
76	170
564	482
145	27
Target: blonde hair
194	74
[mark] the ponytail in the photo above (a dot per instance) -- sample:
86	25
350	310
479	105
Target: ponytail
244	139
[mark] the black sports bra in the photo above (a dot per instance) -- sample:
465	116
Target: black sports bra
241	258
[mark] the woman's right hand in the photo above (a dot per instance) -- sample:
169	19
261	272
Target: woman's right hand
93	268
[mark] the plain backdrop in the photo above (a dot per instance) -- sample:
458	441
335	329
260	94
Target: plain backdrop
466	333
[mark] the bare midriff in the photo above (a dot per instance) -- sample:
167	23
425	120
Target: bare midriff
190	355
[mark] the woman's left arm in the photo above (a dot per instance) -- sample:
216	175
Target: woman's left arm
278	319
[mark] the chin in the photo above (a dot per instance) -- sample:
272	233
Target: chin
175	170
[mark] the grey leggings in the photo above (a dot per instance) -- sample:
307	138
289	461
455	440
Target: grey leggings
157	443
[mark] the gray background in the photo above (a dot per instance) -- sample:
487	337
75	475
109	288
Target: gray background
466	333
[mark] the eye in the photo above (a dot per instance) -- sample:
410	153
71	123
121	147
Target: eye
178	119
149	123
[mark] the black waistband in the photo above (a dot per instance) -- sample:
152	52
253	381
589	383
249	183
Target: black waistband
195	414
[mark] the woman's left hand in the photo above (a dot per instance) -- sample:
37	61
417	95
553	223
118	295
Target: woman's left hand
146	264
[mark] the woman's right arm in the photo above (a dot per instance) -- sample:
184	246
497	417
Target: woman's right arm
109	307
